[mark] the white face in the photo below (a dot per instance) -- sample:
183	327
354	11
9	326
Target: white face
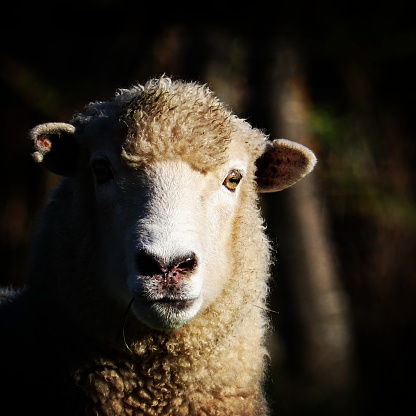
166	237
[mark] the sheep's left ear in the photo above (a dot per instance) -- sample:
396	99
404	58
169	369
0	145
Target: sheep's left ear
282	164
55	147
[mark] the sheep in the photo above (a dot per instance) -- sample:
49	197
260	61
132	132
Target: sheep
148	285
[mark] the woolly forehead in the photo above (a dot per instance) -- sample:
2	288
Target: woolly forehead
190	124
167	121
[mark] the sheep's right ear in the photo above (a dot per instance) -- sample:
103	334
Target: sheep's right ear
282	164
55	146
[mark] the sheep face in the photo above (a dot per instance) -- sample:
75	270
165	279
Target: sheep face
179	241
164	222
170	226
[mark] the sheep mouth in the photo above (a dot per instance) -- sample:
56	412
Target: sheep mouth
178	304
165	313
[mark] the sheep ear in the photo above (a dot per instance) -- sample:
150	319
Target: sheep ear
55	146
282	164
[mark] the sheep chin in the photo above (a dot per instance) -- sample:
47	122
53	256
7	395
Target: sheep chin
166	314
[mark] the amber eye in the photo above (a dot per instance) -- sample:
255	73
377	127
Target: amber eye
102	170
232	180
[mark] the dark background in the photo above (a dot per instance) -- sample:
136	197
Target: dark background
341	78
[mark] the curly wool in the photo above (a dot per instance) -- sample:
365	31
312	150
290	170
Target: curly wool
166	119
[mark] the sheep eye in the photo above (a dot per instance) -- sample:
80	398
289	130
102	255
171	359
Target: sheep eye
232	180
102	170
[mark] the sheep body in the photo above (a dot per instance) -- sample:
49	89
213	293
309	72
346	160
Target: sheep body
149	281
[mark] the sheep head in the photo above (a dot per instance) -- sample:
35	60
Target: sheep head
168	175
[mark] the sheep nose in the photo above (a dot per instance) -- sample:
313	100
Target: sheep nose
174	270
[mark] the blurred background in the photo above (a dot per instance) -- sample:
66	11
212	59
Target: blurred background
338	77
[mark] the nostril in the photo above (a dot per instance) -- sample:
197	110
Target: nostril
148	264
185	264
180	267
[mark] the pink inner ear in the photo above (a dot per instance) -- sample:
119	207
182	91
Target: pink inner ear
43	143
